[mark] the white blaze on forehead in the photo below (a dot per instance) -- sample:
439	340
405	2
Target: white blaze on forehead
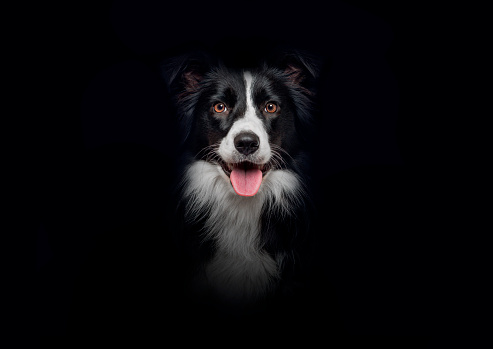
247	76
249	122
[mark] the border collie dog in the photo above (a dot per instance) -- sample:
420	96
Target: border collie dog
243	194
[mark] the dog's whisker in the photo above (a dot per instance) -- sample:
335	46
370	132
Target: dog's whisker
207	151
277	160
280	149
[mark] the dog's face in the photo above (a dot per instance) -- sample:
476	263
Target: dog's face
245	121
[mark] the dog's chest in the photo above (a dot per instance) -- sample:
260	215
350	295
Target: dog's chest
240	268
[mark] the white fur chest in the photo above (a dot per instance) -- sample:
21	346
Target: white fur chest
240	268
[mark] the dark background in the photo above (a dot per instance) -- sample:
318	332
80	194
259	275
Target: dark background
107	151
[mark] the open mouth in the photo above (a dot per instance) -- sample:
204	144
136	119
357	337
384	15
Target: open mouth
246	177
244	165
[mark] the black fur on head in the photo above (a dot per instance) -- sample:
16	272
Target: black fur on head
301	72
184	76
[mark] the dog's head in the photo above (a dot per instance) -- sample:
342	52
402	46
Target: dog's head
247	121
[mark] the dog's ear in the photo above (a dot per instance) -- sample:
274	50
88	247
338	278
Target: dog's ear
301	69
183	74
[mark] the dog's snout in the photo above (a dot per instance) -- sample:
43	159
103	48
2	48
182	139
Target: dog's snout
247	143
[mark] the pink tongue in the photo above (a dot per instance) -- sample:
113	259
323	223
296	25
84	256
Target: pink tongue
246	182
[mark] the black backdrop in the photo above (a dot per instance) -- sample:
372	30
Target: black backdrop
107	154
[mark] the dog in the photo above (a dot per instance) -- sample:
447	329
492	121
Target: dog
243	199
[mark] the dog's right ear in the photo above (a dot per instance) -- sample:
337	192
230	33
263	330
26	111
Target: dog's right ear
183	74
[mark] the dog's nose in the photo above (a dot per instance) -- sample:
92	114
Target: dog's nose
247	143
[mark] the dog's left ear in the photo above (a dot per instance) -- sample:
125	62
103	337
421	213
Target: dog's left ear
301	69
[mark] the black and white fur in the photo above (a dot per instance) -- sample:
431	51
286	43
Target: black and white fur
242	249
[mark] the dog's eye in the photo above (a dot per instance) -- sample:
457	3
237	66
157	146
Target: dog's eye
219	107
271	108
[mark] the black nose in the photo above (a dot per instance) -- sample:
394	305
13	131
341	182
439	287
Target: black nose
247	143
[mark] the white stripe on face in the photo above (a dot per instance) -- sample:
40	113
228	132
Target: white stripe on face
250	122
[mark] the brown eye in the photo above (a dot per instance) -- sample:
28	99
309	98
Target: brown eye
219	107
271	108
